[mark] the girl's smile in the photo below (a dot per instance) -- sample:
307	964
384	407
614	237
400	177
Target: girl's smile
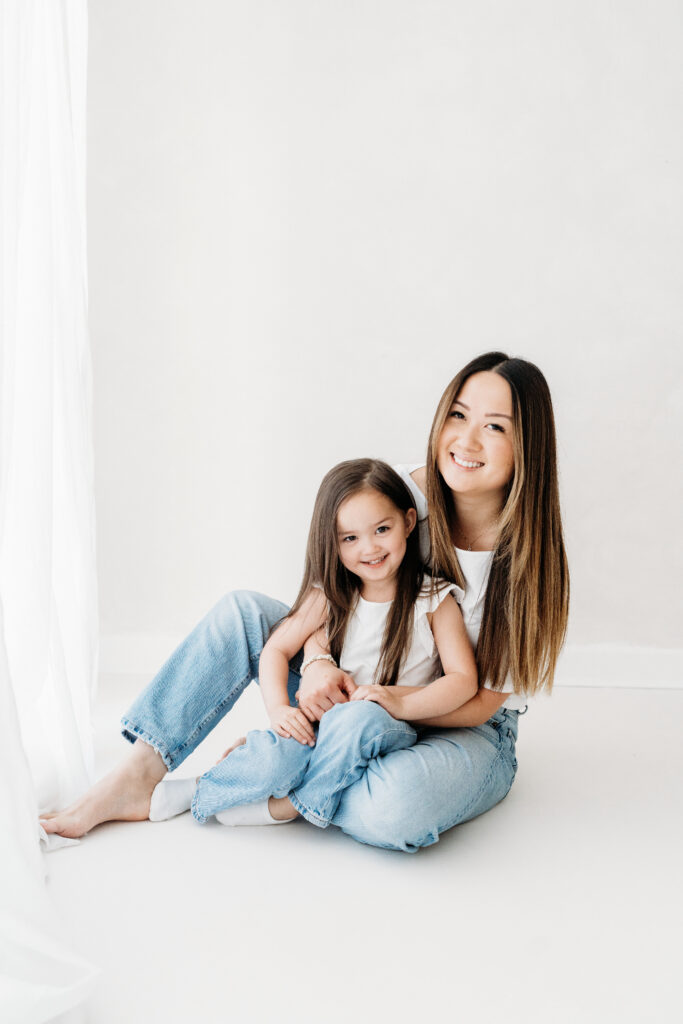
376	562
371	537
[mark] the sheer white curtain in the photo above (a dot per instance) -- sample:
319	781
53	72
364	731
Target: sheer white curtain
47	556
48	620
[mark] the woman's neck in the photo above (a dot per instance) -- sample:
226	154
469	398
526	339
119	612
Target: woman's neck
475	522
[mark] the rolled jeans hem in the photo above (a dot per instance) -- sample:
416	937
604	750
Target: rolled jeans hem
306	813
197	814
133	733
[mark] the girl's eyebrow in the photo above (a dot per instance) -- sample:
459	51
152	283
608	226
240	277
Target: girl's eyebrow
374	525
501	415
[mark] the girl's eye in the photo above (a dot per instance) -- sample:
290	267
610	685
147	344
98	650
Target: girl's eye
382	529
351	536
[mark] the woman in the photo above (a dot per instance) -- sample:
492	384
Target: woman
494	528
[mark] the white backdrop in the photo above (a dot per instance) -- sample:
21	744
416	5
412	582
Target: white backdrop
305	216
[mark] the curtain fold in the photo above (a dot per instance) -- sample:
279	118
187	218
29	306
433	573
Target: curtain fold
40	978
47	521
48	597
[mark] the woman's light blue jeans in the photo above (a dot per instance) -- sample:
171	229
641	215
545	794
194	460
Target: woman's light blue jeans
380	787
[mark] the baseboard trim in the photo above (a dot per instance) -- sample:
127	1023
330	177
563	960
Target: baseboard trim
616	665
610	665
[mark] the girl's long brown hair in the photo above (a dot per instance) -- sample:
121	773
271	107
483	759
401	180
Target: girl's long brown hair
324	568
527	596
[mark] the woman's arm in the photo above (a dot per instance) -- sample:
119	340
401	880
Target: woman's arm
454	688
477	711
287	639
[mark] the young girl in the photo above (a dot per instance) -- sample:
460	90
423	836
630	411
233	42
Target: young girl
399	636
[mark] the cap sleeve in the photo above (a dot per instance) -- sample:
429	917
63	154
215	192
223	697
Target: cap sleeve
435	591
433	594
404	470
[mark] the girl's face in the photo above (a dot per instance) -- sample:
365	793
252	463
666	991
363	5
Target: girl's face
475	452
371	534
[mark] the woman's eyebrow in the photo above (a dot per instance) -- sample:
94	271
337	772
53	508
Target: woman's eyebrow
502	415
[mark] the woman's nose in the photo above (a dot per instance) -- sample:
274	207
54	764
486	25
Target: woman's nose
468	437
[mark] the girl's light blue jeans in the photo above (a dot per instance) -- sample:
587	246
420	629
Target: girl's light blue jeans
376	783
349	737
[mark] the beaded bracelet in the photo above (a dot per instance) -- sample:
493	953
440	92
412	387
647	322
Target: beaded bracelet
316	657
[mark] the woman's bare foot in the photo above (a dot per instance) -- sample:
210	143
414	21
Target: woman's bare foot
281	809
122	795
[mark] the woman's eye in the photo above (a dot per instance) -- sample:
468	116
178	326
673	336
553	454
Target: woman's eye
496	426
457	414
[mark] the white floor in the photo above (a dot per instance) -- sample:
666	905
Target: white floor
563	904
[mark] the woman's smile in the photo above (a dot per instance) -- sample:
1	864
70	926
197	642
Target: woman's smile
464	464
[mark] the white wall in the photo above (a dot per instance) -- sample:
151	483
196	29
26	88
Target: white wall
305	216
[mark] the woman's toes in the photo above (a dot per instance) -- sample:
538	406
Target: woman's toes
53	824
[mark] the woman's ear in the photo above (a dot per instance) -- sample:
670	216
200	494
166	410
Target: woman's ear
411	519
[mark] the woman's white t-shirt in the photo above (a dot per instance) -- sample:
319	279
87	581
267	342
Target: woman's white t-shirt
364	634
476	566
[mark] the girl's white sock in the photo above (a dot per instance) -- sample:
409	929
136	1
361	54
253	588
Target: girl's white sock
171	797
250	814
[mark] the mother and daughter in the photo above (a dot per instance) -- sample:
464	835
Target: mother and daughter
373	644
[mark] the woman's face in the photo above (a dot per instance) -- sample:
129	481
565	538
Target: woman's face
475	451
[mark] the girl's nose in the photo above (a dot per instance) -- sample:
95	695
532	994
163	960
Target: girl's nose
371	547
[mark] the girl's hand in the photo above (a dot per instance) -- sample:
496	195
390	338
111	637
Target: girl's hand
290	723
238	743
323	686
386	696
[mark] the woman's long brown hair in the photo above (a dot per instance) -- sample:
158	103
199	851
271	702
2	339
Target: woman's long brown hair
527	596
341	588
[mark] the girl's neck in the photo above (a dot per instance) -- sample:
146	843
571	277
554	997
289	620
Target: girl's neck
475	521
380	592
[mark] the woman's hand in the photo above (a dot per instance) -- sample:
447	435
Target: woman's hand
290	723
323	686
387	696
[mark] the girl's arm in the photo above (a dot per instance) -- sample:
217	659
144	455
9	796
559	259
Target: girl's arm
283	644
456	686
322	684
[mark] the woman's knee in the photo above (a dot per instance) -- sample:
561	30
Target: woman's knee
388	826
243	604
246	612
376	813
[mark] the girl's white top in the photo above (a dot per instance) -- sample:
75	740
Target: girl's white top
365	631
476	566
